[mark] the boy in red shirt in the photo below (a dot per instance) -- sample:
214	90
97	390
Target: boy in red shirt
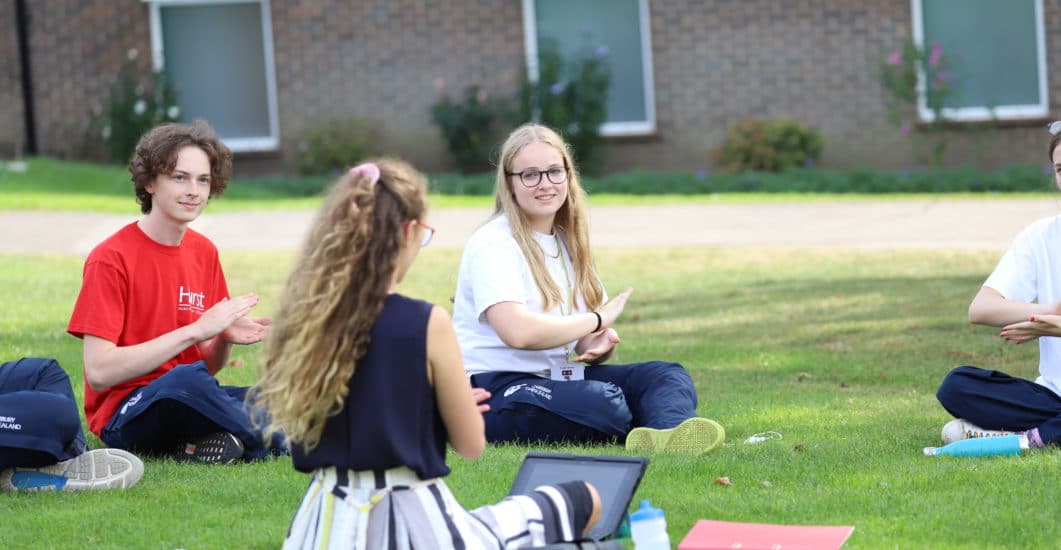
156	317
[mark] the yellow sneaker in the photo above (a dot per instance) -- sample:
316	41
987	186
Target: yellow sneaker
693	436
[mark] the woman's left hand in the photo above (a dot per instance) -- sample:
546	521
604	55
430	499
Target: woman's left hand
1036	326
597	345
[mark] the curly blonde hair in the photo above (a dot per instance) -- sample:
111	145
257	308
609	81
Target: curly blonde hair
570	220
333	297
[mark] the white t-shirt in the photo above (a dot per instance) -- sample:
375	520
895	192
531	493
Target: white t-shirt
494	270
1030	271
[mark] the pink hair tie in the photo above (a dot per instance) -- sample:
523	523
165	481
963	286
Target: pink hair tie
369	170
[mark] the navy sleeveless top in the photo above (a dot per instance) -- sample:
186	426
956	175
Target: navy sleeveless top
390	417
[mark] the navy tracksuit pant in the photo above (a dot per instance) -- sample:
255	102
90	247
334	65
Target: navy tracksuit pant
185	403
997	401
39	421
612	400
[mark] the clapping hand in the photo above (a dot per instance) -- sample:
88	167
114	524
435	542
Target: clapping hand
1034	327
599	344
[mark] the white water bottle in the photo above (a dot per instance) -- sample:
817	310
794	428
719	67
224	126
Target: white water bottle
648	528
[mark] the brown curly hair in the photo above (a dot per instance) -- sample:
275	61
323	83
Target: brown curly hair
332	298
156	154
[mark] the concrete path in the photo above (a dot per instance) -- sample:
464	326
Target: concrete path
931	224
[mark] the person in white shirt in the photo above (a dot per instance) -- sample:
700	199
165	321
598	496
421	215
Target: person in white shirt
1023	296
535	325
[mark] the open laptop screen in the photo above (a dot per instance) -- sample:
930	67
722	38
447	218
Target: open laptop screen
615	477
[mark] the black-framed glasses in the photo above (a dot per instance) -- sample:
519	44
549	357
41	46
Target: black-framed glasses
1054	127
533	178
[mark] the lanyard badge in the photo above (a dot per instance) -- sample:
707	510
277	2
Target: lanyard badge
568	372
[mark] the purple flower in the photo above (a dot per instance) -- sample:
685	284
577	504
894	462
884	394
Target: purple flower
701	175
602	50
809	163
935	55
905	128
558	88
895	59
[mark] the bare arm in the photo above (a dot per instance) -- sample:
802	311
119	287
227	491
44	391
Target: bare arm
107	364
991	308
456	402
522	329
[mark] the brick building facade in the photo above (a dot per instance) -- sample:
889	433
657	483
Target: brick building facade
713	63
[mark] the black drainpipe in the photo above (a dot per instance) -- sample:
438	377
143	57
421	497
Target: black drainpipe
22	25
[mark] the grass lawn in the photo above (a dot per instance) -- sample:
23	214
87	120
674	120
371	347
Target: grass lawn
51	184
841	352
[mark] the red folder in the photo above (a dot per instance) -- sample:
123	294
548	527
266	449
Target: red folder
728	535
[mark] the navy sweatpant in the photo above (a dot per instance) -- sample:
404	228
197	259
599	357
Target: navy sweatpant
39	422
612	400
185	403
997	401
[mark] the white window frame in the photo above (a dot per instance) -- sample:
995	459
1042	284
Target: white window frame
1009	112
244	144
631	128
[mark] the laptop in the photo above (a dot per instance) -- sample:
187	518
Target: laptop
615	477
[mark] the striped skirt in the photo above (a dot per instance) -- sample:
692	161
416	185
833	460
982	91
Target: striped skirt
397	510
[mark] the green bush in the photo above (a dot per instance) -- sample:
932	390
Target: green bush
469	126
768	145
135	106
335	145
571	96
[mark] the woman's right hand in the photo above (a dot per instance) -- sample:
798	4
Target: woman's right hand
611	311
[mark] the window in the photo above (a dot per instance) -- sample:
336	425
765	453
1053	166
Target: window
219	53
997	52
620	25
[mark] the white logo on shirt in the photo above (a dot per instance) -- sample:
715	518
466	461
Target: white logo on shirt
512	389
190	301
8	423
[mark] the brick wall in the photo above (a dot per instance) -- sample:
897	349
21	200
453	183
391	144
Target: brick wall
77	48
12	129
722	61
376	59
715	62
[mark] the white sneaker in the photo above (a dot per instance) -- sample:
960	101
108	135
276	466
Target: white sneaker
959	429
95	469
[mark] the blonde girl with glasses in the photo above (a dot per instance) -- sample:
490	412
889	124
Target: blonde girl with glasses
1023	297
536	327
368	386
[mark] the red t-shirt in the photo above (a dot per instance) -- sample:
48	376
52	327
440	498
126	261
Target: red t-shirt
134	290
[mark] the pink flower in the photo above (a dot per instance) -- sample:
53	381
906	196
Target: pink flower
935	55
905	128
439	83
895	59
